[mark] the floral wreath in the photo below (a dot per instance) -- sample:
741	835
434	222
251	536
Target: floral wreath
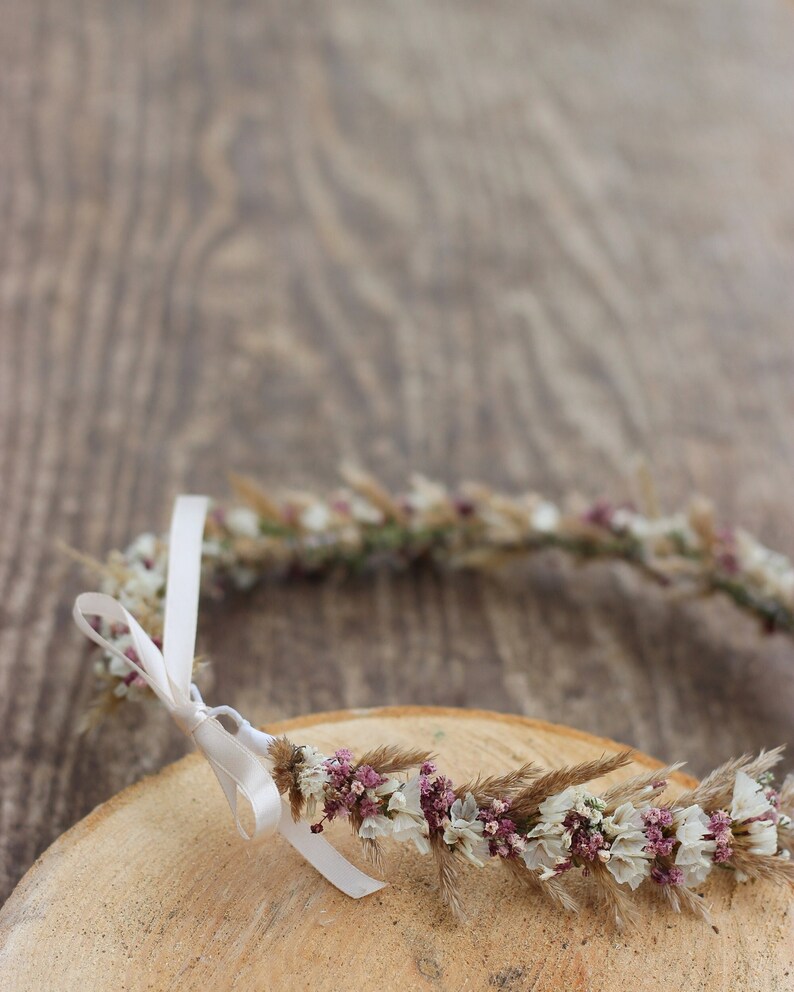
541	825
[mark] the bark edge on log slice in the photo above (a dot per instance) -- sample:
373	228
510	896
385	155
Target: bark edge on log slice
155	890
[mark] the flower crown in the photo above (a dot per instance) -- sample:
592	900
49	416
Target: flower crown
541	825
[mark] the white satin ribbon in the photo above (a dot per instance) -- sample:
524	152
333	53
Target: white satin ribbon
235	758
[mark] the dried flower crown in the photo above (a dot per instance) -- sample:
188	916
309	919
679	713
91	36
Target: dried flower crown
540	825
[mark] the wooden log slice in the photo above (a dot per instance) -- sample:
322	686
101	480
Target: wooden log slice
155	890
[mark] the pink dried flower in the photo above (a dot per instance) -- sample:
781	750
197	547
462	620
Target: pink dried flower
436	796
656	819
667	876
369	778
719	822
658	844
586	844
723	853
600	514
368	807
720	831
657	816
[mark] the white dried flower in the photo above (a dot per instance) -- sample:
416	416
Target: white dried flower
553	810
545	517
464	830
546	848
548	843
242	522
655	528
376	826
141	586
694	854
362	511
628	863
771	570
408	820
387	788
312	777
750	803
749	800
426	495
764	837
118	668
144	548
315	518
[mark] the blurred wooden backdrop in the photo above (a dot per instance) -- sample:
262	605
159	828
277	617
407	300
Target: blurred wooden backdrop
516	242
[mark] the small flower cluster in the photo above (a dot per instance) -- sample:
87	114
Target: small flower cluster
500	831
362	526
620	838
137	579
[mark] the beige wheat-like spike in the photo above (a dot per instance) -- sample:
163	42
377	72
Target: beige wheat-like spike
681	899
716	789
622	907
366	485
552	888
761	867
639	788
249	491
500	786
372	850
390	758
447	870
88	562
526	801
284	756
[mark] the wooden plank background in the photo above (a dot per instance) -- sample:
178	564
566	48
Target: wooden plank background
521	243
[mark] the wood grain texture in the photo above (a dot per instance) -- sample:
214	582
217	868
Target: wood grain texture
189	905
481	240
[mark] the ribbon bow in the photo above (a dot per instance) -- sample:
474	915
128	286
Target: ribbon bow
236	758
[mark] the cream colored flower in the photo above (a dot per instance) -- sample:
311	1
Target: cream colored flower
464	830
426	495
771	570
362	511
141	586
694	854
316	517
546	847
373	827
143	548
749	800
553	810
312	777
764	837
658	528
387	788
242	522
628	861
545	517
548	843
408	820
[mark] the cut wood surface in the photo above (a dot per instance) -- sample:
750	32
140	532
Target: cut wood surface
520	243
154	890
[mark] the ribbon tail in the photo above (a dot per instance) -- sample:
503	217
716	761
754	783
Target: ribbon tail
326	859
240	773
